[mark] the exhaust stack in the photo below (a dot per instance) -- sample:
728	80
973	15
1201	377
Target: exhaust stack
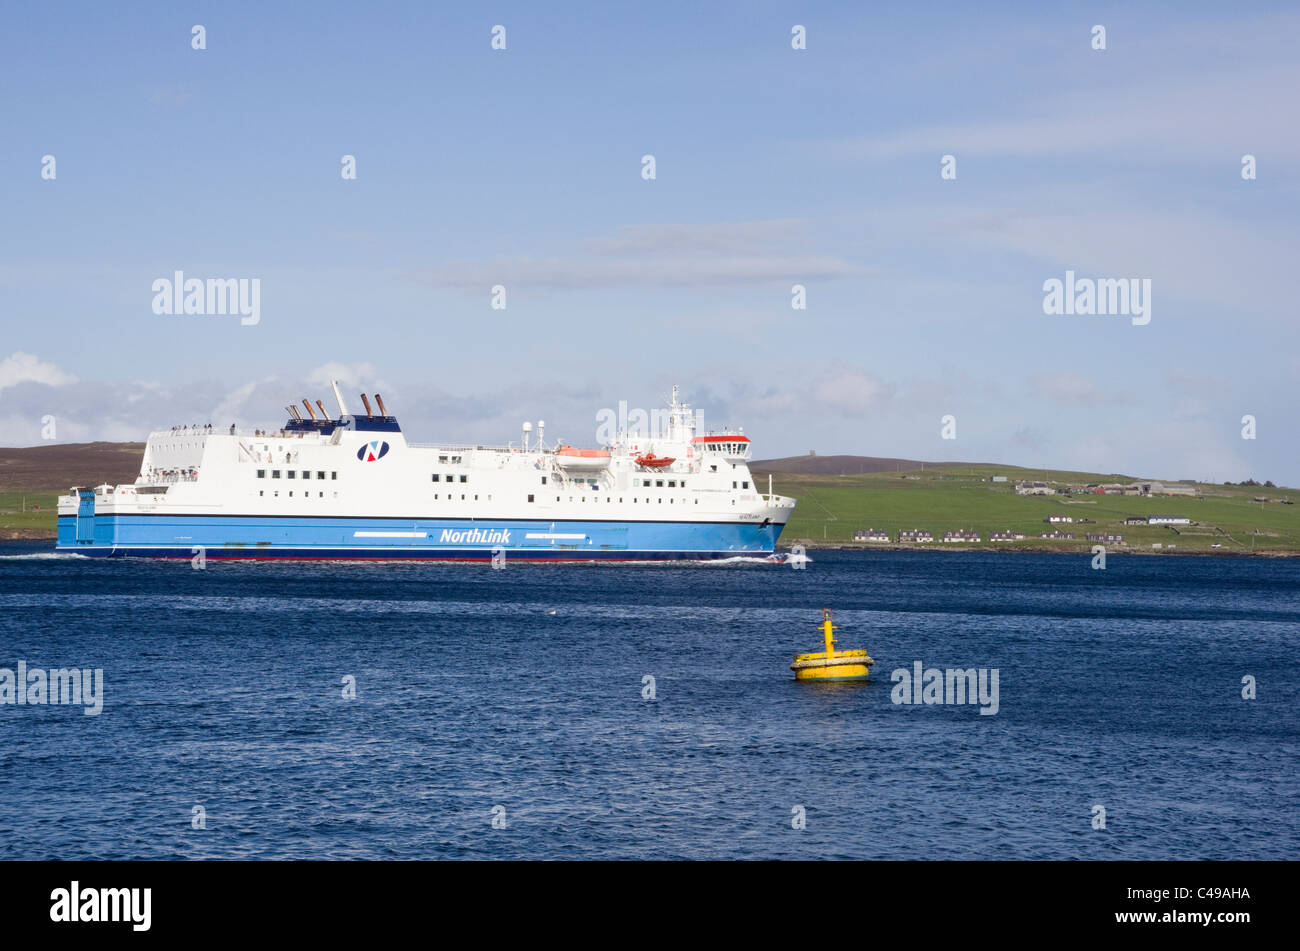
309	409
338	395
293	411
367	402
380	400
323	415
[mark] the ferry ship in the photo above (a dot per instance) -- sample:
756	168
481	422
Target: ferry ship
352	488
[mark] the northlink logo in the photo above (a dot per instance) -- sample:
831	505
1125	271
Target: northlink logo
476	536
372	451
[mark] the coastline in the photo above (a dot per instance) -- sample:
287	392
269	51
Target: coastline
1084	549
40	535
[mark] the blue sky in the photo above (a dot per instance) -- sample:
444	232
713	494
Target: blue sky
775	166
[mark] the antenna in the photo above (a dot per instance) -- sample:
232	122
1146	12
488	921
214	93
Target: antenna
528	428
338	395
541	431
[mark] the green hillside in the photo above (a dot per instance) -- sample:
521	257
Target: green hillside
28	515
942	498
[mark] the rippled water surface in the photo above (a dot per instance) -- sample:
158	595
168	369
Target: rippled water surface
522	688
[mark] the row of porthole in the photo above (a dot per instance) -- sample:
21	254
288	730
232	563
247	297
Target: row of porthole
275	494
293	474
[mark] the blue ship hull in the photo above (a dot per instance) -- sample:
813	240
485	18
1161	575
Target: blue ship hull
342	538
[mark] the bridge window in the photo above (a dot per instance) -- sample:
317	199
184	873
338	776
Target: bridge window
744	485
543	480
321	476
334	475
672	483
307	474
659	483
291	474
530	498
434	477
275	473
261	473
464	478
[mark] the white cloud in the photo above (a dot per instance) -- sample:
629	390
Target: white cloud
21	367
1067	388
674	255
1189	93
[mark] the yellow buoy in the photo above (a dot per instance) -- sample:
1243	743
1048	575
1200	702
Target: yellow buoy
831	664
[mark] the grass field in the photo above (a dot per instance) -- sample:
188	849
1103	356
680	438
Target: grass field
941	498
32	523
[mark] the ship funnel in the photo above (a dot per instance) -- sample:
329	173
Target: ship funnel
367	402
338	395
380	400
321	406
309	409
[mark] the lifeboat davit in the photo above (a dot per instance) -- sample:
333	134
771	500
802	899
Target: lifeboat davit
585	460
651	461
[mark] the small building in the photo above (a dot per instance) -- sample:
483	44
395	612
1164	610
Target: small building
915	535
1059	518
1135	520
1034	488
1057	536
961	535
1007	536
999	479
870	535
1171	488
1168	520
1106	537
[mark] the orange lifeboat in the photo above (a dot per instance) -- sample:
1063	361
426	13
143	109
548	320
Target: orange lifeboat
586	460
651	461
